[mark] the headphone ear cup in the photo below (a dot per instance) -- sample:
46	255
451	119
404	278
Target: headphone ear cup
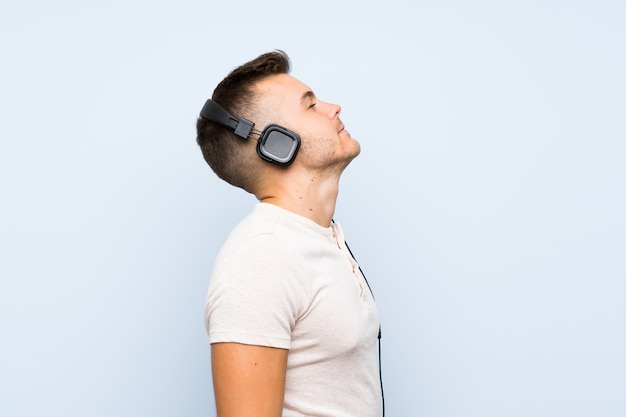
278	145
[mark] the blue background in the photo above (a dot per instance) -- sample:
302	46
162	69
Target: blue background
487	206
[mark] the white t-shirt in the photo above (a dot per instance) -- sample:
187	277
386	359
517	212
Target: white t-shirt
281	280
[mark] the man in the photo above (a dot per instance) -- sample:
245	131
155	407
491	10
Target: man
291	321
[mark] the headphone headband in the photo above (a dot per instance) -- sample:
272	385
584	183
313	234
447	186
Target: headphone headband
220	115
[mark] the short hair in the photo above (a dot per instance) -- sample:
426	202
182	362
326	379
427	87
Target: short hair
226	153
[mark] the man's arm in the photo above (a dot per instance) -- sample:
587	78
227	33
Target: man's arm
248	380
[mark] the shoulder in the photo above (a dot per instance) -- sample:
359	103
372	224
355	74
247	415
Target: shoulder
259	253
258	241
269	227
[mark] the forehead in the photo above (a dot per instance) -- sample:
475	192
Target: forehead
282	87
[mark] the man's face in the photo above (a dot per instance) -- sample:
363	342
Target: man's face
288	102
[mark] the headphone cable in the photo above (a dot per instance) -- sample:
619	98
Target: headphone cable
380	366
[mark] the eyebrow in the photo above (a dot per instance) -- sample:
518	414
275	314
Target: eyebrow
308	95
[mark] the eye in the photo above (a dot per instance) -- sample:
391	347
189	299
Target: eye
312	105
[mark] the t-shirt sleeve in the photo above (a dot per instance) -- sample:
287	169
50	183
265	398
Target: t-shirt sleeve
255	294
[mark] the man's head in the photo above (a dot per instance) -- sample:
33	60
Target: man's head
228	155
263	92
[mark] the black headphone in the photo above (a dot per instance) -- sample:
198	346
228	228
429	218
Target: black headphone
276	144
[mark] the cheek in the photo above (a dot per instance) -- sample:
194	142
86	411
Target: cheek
318	145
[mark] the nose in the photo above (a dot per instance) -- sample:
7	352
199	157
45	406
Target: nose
334	110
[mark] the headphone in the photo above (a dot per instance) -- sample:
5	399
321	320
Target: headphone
276	144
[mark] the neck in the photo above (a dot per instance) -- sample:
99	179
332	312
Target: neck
312	196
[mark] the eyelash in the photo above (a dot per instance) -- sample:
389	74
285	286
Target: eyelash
312	105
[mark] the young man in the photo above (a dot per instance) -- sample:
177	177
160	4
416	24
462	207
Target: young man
292	324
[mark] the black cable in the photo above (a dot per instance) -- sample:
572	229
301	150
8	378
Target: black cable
380	369
380	365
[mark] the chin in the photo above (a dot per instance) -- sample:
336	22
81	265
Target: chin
354	154
357	148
